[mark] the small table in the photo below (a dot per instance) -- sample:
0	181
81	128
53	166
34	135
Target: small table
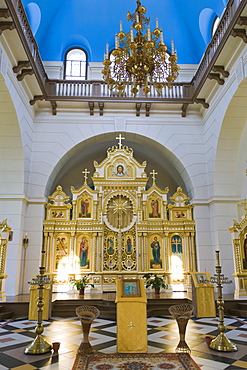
86	314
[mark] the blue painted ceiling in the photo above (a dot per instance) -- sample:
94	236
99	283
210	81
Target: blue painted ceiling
61	24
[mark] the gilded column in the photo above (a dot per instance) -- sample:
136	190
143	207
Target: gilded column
94	254
95	216
99	253
236	243
73	247
164	210
3	251
74	210
71	253
44	261
49	252
139	208
188	251
140	252
240	289
193	251
145	251
100	206
167	252
119	251
144	210
189	261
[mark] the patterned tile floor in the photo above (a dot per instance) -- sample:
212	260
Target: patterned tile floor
16	335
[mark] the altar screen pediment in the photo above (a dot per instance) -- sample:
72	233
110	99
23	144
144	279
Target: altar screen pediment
119	169
59	206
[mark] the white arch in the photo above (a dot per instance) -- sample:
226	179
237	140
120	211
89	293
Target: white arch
151	150
231	154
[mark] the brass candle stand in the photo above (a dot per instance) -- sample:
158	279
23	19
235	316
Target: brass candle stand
221	342
39	344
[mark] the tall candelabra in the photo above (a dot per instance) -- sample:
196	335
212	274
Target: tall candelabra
39	344
4	237
221	342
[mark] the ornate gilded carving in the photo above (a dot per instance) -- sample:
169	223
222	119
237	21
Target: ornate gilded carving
129	257
120	211
110	253
120	226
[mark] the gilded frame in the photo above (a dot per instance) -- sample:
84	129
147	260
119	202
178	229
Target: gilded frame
131	288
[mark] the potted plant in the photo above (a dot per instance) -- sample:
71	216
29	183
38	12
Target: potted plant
156	282
82	283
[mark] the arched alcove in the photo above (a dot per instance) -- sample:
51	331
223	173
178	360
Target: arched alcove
68	170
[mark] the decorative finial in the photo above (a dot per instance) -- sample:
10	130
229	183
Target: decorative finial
85	172
120	138
153	173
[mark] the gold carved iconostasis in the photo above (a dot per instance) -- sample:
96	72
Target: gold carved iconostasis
239	241
119	228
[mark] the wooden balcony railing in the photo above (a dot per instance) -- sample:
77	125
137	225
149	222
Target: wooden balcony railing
228	20
185	93
98	90
22	26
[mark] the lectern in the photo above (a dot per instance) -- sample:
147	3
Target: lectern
131	316
203	295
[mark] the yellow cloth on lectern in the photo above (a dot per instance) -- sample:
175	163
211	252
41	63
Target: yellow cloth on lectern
203	295
131	321
205	302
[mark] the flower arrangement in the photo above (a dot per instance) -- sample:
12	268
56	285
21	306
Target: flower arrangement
154	281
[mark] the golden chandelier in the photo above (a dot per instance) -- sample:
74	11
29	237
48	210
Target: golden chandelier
140	57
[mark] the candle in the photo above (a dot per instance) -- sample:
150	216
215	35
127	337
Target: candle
149	34
131	35
116	42
137	18
107	51
217	258
161	37
172	43
121	26
157	23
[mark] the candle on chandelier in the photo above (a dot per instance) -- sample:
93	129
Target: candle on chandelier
131	35
137	18
107	51
172	43
161	37
149	34
116	42
121	26
157	22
